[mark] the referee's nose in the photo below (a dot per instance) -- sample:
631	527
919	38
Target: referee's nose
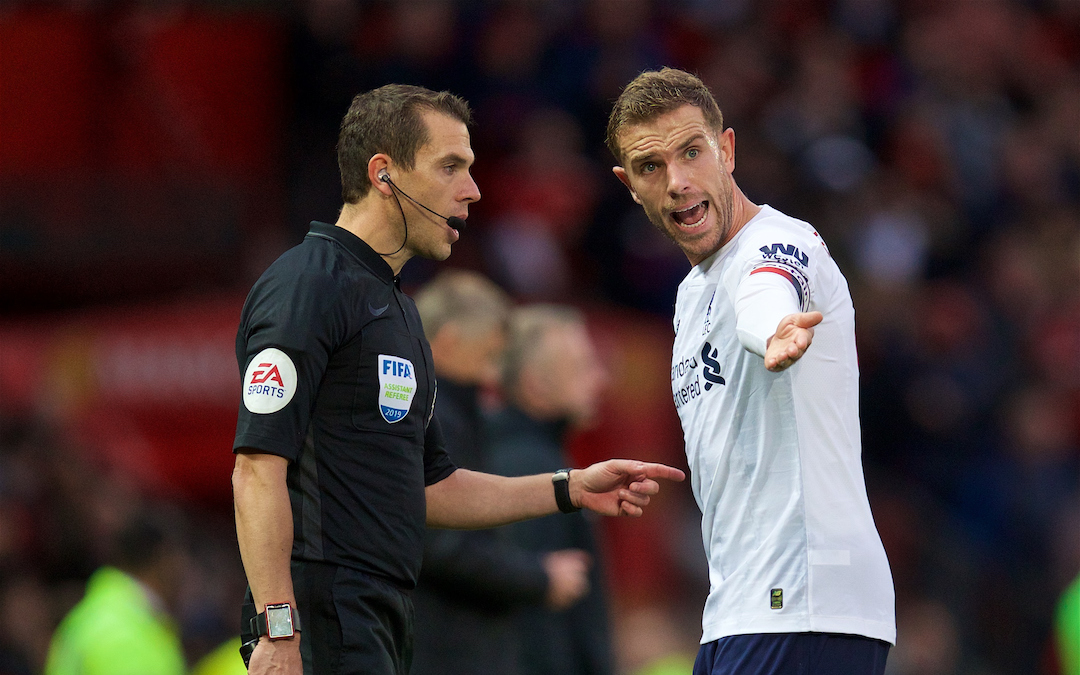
472	191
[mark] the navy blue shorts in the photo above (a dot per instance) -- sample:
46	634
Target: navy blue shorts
792	654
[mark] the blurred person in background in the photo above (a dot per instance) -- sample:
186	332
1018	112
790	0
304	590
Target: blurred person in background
224	659
540	215
339	464
799	577
552	379
123	625
1067	629
472	581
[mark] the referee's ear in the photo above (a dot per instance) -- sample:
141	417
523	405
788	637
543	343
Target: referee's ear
378	165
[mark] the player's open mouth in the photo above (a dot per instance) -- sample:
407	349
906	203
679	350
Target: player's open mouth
692	216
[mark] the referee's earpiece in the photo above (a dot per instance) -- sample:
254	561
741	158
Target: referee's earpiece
454	222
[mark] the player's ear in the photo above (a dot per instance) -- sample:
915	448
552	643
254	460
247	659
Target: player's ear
726	144
620	173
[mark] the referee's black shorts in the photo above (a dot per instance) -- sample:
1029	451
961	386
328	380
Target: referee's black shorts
351	622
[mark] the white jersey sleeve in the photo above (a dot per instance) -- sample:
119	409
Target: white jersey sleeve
772	280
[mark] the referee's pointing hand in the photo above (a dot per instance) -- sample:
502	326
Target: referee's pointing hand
619	487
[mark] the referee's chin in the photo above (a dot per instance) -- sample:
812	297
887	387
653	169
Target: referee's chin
438	253
437	257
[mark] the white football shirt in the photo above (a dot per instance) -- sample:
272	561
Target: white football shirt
775	458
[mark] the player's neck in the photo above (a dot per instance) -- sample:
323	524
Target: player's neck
742	212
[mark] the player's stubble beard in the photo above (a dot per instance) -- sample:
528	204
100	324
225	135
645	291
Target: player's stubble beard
723	206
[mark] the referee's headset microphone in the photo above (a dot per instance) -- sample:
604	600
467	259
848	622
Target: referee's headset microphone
453	221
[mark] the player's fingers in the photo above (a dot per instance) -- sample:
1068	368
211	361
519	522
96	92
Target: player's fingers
802	339
776	364
628	509
808	319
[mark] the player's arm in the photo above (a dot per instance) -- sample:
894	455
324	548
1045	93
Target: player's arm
769	318
264	531
470	499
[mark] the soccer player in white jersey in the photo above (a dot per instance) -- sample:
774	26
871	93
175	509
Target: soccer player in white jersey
764	375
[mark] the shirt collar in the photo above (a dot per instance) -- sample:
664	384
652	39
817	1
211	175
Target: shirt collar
355	245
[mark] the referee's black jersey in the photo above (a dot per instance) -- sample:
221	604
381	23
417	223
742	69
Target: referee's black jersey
338	378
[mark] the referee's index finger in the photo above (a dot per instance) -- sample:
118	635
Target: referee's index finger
655	470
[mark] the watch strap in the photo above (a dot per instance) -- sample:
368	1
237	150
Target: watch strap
561	482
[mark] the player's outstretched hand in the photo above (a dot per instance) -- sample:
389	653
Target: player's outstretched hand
619	487
791	340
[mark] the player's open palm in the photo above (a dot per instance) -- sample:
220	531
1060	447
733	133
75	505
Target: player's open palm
791	340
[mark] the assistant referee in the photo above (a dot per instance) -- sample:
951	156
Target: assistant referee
339	462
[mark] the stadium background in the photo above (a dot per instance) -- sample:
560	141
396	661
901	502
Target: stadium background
156	156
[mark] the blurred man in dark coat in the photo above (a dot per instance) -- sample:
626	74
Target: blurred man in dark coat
471	582
552	379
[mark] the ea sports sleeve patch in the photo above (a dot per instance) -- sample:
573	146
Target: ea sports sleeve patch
270	382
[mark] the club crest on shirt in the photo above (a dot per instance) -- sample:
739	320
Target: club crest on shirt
711	373
686	378
397	385
269	382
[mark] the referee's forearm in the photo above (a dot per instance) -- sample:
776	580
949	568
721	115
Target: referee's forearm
472	500
264	528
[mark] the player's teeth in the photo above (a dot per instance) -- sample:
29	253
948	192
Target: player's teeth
683	216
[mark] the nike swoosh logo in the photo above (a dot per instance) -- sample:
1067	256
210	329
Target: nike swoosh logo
377	311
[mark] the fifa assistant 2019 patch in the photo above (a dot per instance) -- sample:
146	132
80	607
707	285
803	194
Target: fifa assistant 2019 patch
269	382
397	386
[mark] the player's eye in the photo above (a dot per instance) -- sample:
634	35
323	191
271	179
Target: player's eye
692	153
648	167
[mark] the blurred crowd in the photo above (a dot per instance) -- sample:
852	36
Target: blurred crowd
935	145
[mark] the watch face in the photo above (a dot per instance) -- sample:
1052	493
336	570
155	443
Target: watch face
279	622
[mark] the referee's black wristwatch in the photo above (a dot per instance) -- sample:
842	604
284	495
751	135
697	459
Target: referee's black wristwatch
561	480
278	622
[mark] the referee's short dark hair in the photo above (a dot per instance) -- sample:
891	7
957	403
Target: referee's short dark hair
388	120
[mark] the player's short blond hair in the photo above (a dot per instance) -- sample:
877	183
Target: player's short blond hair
657	92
